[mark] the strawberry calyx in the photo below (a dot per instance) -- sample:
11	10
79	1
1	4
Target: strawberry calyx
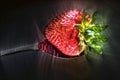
90	34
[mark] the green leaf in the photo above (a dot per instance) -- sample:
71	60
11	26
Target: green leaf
101	38
103	27
97	48
91	33
84	21
98	28
94	16
87	50
89	40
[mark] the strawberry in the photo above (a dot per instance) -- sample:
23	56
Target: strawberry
62	33
47	47
73	32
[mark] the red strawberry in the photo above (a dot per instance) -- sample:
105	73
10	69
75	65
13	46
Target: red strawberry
47	47
62	33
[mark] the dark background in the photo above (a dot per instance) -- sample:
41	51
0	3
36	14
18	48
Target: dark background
17	28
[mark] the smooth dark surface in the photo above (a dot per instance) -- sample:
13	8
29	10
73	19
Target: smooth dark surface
17	28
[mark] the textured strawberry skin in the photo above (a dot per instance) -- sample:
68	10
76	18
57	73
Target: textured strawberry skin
62	33
47	47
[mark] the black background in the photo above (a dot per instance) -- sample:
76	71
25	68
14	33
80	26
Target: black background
17	28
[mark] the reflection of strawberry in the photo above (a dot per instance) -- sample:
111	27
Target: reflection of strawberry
62	33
